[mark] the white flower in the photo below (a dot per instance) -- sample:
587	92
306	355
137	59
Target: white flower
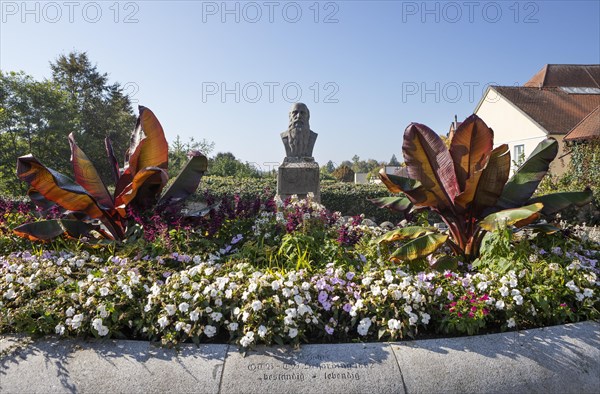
232	326
184	306
588	292
571	286
210	331
511	322
76	321
393	324
482	286
216	316
500	304
247	339
412	319
262	331
245	316
425	317
9	277
99	327
275	285
518	299
186	295
170	309
163	322
104	291
513	282
103	312
293	332
194	315
256	305
70	311
503	291
59	329
579	296
363	326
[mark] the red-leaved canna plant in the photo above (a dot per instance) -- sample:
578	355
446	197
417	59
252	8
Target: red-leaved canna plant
467	186
87	201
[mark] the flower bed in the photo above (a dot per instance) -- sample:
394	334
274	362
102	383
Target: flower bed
293	274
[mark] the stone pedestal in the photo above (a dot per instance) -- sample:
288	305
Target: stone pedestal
299	176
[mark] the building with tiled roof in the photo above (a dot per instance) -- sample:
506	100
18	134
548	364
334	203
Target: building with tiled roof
555	102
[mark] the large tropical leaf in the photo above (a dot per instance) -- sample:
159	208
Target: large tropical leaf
399	204
410	232
50	229
87	176
470	148
526	179
187	181
56	187
517	217
148	183
148	148
420	247
483	190
555	202
429	161
114	164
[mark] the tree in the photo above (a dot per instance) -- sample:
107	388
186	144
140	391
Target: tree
35	117
100	109
178	152
329	167
394	161
344	174
226	164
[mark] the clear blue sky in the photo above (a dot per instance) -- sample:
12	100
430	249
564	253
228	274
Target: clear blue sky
362	74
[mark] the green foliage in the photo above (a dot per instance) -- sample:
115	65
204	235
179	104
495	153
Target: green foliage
37	116
179	150
347	198
226	164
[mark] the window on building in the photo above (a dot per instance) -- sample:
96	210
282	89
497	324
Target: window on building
519	156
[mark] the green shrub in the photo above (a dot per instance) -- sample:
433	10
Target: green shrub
347	198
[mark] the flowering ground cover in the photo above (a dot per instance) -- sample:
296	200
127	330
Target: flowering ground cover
288	273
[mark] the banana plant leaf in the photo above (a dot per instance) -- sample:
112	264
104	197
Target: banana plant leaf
555	202
524	182
420	247
491	183
56	187
429	161
148	148
410	232
399	204
148	183
187	181
517	217
88	177
112	159
50	229
398	184
470	148
543	228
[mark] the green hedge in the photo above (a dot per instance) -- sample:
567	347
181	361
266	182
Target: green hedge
347	198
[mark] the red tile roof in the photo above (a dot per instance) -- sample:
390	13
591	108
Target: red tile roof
567	75
555	110
588	128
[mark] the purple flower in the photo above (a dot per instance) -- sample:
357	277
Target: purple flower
347	307
323	296
236	239
350	275
328	330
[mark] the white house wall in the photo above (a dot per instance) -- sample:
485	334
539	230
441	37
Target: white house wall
511	126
